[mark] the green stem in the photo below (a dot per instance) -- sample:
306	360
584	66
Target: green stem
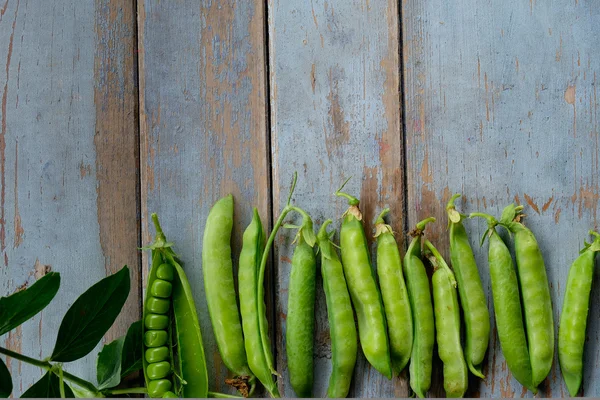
595	234
61	382
352	201
217	395
304	214
263	266
383	213
421	224
490	219
42	364
261	280
134	390
450	203
441	261
48	367
157	226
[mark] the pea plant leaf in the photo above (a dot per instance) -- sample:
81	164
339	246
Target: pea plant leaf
6	385
131	357
108	367
19	307
49	387
92	314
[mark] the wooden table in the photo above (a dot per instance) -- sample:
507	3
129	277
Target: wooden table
111	110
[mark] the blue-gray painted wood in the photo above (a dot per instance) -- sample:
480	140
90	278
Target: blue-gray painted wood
335	113
204	134
501	105
55	166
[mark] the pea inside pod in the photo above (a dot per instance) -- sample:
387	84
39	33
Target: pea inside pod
362	284
394	294
217	268
173	352
535	291
470	290
574	315
419	295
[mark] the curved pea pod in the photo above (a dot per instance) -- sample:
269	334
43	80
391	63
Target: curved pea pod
217	268
535	291
447	317
394	294
342	329
470	290
507	305
419	295
573	318
300	319
364	292
248	278
183	360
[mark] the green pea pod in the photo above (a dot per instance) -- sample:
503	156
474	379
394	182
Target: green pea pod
174	354
253	243
394	294
342	330
535	291
419	295
470	290
507	305
256	311
364	292
573	318
217	267
300	319
447	317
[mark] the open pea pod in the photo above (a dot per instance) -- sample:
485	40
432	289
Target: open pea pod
174	361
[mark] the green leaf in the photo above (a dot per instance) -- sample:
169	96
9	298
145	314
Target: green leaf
131	358
108	367
6	385
48	386
92	314
19	307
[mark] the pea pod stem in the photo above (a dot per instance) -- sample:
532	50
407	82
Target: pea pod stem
441	263
217	395
450	204
265	257
381	215
421	226
352	201
134	390
61	386
48	367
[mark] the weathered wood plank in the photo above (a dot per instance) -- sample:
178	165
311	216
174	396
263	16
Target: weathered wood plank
203	114
68	197
501	105
335	112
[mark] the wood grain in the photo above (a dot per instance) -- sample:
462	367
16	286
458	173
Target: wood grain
68	197
203	101
335	113
116	142
501	105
